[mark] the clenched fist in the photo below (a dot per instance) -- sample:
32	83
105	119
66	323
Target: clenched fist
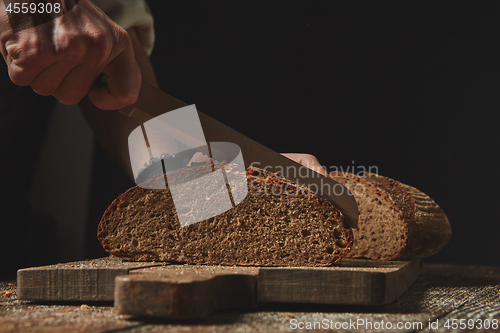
65	56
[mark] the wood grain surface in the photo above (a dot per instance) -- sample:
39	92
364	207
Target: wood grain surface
441	293
184	291
188	291
353	281
90	280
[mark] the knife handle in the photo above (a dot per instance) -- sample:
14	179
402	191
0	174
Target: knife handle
131	110
151	103
134	112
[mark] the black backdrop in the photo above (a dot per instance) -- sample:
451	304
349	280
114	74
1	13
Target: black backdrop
410	89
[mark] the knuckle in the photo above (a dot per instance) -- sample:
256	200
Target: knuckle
99	46
128	99
94	45
75	45
43	90
22	56
28	58
123	39
99	38
15	52
18	47
69	99
20	76
125	98
72	46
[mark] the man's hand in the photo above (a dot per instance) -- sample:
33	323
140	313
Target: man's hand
307	160
65	56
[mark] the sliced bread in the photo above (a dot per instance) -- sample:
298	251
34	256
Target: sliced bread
396	221
278	224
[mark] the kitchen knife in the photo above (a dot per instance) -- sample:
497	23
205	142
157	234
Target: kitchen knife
152	102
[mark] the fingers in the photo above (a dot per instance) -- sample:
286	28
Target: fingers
27	54
23	69
122	87
32	60
50	79
69	79
75	85
65	57
307	160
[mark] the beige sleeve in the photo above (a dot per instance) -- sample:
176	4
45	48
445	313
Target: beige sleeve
131	14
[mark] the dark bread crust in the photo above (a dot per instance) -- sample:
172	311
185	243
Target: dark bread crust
424	227
287	226
429	231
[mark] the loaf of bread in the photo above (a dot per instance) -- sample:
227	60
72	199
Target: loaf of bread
396	221
278	224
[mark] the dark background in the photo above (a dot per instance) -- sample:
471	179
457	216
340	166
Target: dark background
410	89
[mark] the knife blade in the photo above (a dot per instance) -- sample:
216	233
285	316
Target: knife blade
153	102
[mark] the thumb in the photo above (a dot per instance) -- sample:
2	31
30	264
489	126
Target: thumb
123	78
307	160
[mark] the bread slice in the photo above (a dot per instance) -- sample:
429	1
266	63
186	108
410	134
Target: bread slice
396	221
278	224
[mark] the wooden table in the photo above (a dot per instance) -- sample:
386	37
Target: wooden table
457	296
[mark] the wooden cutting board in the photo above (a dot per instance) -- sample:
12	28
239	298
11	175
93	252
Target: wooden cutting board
186	291
80	281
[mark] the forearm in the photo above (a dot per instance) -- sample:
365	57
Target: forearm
112	128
